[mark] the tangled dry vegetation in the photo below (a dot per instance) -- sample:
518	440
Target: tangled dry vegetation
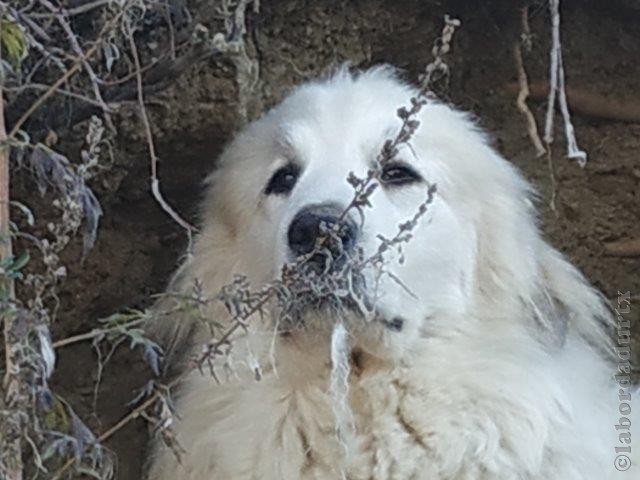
98	55
65	64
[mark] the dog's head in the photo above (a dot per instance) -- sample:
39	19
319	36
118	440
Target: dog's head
282	188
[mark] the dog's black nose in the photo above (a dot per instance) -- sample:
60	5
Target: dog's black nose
305	229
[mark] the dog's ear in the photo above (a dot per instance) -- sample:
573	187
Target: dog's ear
233	193
520	274
181	313
170	327
575	303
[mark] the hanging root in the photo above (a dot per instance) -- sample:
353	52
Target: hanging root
557	90
339	383
523	85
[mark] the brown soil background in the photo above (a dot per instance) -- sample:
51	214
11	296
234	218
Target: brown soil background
138	245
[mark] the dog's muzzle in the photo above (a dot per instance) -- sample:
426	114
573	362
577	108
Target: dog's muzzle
318	231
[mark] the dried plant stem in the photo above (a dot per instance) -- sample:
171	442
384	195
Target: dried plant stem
521	101
438	69
155	182
52	89
60	91
5	239
10	432
79	10
137	412
78	51
96	332
196	363
75	68
155	396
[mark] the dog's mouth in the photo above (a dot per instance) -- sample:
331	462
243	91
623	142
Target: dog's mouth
323	288
322	283
329	285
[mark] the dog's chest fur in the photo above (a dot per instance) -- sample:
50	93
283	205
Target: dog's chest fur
403	429
294	433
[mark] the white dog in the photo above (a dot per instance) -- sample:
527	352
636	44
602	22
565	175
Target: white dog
488	357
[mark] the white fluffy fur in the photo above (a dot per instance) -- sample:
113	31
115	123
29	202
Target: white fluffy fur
503	367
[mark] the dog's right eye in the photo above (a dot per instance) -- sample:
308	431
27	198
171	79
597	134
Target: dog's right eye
283	181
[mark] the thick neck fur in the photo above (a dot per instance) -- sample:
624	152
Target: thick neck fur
460	406
510	380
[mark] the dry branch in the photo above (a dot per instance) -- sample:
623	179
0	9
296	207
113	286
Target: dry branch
157	78
73	11
155	183
76	67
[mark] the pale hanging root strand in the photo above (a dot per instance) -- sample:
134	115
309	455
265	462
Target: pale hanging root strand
339	383
523	84
557	90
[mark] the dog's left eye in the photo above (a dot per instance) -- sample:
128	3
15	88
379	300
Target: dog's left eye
397	174
283	181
